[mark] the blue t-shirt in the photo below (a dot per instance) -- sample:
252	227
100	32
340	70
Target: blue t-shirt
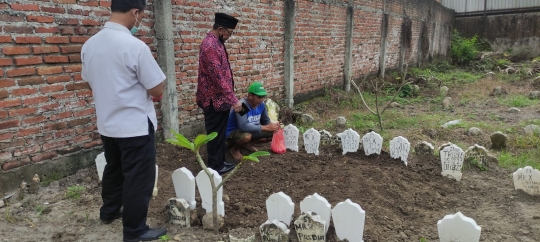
250	122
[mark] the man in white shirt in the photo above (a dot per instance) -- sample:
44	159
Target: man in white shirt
125	78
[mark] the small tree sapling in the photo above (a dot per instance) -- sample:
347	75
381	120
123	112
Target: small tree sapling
194	146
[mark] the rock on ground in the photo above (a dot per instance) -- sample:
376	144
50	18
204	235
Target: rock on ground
474	131
208	221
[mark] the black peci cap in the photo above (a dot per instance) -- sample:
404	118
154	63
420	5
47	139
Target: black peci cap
226	20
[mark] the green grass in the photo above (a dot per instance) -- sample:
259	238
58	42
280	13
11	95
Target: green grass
517	101
451	77
74	192
525	151
39	209
524	158
165	238
50	178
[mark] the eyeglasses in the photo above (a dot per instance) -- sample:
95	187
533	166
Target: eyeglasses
230	32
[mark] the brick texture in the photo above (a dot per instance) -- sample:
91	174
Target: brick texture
47	109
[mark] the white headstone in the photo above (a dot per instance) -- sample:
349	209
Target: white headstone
310	227
350	141
184	186
205	189
528	180
372	143
291	137
349	220
312	140
478	153
155	191
399	148
452	161
100	164
280	206
179	212
458	228
274	231
318	205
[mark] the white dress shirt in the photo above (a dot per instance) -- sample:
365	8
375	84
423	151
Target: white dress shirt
120	69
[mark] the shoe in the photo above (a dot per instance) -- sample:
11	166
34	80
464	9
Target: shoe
152	234
226	168
115	217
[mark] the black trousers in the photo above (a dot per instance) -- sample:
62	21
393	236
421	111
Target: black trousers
128	180
215	121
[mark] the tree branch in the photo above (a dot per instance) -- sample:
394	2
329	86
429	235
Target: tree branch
362	97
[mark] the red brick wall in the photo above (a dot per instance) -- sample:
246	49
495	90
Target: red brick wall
46	109
319	45
255	49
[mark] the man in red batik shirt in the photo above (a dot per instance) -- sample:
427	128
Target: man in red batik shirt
215	89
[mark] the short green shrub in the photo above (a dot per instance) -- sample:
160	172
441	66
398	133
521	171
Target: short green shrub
463	50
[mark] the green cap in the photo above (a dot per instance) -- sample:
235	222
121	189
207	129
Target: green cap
257	89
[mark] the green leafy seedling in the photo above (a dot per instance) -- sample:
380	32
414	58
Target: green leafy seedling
182	141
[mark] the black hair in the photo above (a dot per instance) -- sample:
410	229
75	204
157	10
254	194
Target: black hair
123	6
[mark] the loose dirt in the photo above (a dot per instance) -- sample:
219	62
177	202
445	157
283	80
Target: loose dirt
402	203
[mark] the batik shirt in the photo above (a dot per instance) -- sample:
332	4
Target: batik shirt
215	82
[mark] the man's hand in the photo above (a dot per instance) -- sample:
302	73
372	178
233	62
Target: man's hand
157	99
271	127
238	106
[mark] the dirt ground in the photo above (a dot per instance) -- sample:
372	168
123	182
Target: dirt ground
402	203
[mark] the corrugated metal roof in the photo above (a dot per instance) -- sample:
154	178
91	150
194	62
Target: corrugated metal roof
463	6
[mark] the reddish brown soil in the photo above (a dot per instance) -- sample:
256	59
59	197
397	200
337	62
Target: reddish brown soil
402	203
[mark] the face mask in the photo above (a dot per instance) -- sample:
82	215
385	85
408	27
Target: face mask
135	28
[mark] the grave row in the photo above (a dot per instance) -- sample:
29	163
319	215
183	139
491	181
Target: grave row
311	225
452	157
350	142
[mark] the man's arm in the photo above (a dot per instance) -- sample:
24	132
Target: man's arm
157	91
149	73
246	126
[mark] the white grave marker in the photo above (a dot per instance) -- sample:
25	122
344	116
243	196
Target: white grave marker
274	231
312	140
155	191
179	212
100	164
291	134
350	141
280	206
310	227
372	143
205	189
458	228
399	148
452	161
528	180
184	186
349	220
318	205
